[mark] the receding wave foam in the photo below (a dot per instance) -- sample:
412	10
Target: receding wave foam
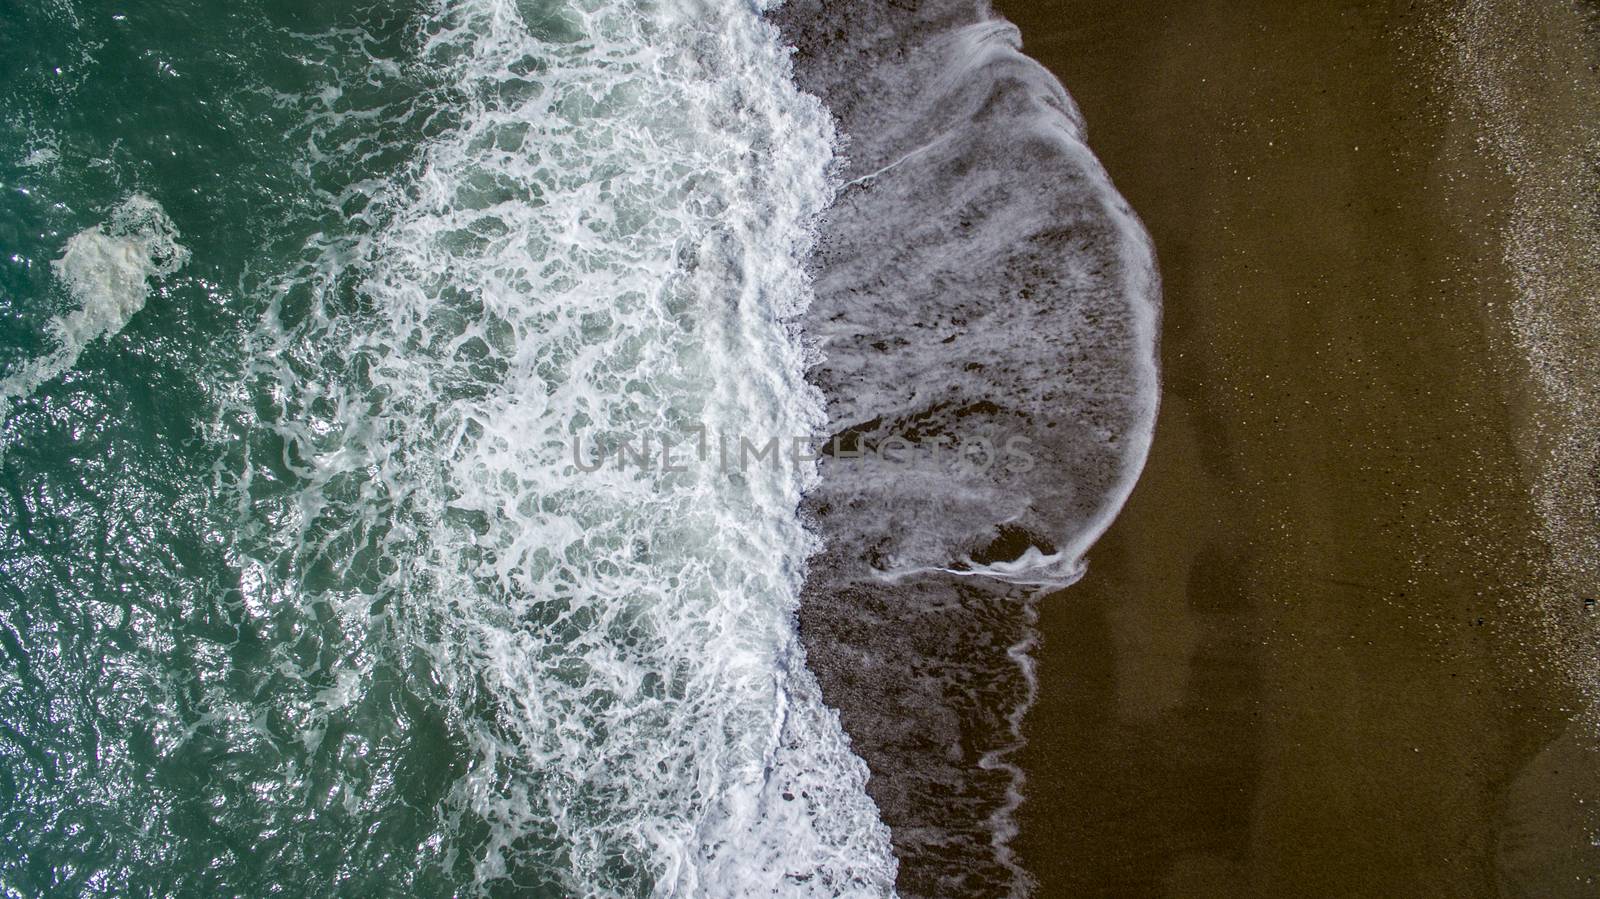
982	286
107	269
608	242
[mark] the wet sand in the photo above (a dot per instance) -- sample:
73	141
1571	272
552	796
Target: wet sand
1315	654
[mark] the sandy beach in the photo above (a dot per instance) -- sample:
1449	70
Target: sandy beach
1327	650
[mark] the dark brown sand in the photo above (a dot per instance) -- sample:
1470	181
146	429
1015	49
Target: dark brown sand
1313	657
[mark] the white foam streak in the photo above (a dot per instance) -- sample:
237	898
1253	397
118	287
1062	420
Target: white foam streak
107	269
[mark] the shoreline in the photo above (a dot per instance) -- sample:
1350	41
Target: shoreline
1313	655
976	276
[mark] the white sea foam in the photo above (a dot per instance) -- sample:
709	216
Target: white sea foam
608	242
40	157
107	269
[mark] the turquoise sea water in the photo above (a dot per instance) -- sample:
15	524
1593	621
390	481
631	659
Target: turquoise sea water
300	304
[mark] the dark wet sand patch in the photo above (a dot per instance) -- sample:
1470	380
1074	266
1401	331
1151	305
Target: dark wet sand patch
1309	658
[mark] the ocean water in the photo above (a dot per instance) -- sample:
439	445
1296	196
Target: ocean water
302	589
